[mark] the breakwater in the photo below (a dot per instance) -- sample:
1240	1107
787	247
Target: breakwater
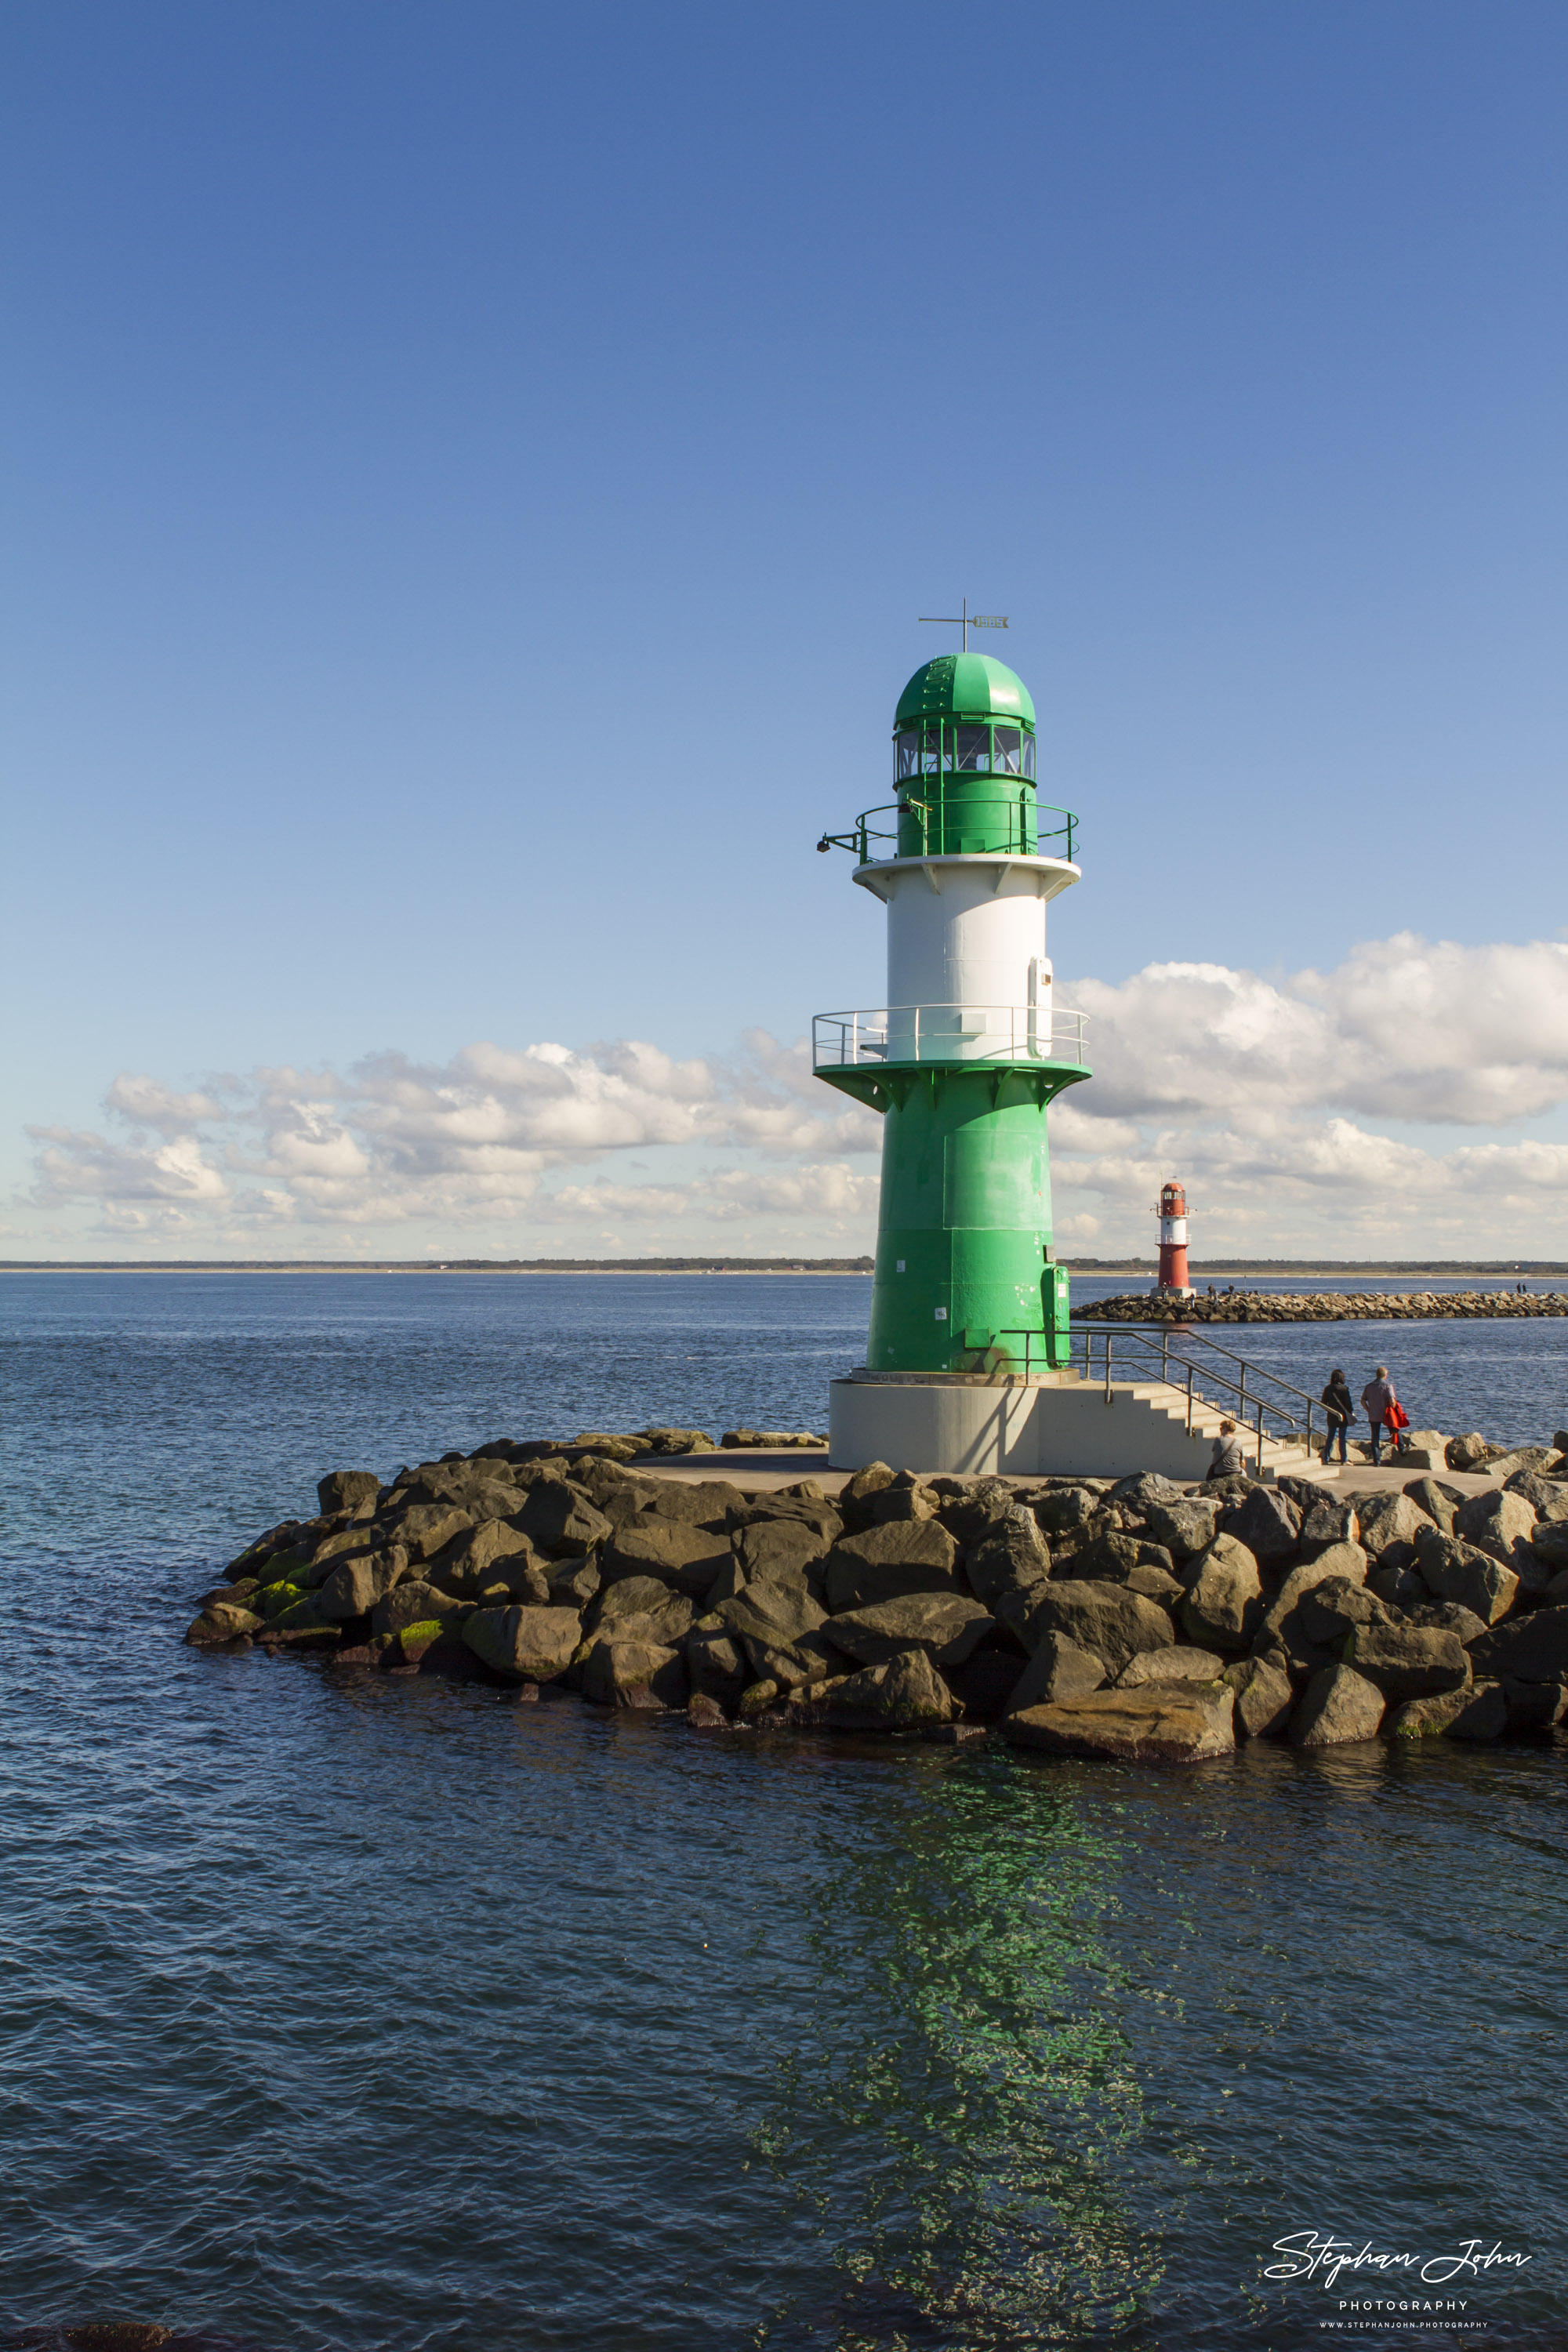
1325	1306
1136	1619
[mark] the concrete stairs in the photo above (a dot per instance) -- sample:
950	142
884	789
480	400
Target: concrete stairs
1062	1426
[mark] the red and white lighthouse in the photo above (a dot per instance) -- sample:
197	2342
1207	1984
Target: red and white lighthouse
1172	1214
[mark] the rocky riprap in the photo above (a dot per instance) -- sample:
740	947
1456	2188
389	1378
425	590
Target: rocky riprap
1322	1306
1135	1619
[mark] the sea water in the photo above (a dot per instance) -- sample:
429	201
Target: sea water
344	2012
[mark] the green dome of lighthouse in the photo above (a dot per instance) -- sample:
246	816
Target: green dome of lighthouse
964	686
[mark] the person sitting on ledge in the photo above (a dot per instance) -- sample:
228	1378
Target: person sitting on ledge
1228	1460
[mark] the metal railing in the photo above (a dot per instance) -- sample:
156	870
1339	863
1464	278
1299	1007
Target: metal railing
1145	1356
992	825
947	1033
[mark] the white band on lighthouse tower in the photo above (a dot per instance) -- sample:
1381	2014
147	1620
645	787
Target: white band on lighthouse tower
967	948
1172	1229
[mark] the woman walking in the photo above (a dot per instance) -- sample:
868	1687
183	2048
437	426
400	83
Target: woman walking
1336	1403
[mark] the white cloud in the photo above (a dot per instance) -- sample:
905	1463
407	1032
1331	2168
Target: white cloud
1258	1092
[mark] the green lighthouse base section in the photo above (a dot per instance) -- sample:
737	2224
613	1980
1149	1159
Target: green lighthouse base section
965	1277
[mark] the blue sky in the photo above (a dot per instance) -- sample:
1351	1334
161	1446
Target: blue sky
473	475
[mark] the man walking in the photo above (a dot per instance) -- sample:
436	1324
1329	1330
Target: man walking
1375	1399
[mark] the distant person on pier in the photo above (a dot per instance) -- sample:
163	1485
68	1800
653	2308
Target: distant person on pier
1375	1399
1336	1403
1228	1460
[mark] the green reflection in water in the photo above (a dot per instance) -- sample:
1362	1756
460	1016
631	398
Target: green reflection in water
962	2112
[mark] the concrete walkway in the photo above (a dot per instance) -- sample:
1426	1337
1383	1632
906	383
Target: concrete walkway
758	1473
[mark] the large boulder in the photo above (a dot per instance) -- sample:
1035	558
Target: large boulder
470	1562
532	1645
572	1585
971	1515
899	1556
357	1583
344	1490
1476	1712
1329	1611
905	1694
1534	1707
776	1613
985	1684
485	1490
857	1495
1340	1563
1449	1618
1104	1619
1390	1519
1177	1664
1143	1490
1163	1723
697	1502
804	1501
906	1498
413	1603
1184	1527
1471	1451
1010	1558
1549	1543
1498	1523
809	1658
1531	1649
1507	1468
1328	1518
1265	1696
1547	1496
642	1608
560	1521
1060	1509
1267	1523
946	1625
221	1621
1224	1604
1113	1558
679	1553
1061	1668
782	1550
718	1667
1338	1706
1454	1570
1438	1501
1407	1661
633	1677
423	1529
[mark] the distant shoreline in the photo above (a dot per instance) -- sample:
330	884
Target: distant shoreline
1266	1269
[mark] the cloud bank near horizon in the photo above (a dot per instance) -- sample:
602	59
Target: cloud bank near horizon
1267	1097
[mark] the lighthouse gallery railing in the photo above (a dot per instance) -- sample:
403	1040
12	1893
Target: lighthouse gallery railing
1013	826
947	1033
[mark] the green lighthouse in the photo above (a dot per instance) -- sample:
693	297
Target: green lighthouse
969	1051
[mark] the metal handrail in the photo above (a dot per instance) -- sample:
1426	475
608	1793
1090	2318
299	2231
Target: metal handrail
1263	1409
948	1032
943	824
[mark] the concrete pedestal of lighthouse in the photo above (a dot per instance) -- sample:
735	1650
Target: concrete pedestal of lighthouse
1060	1426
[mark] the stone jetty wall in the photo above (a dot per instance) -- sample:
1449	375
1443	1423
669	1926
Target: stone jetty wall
1139	1619
1323	1306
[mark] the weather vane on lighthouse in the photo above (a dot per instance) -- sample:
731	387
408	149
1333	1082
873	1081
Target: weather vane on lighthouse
967	620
